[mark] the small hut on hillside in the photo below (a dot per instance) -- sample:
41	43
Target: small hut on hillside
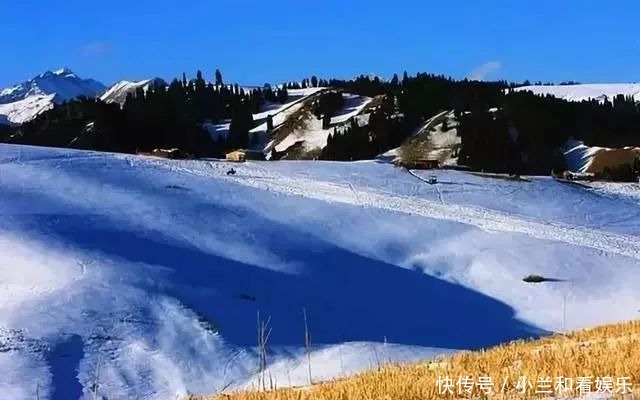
422	163
241	155
172	154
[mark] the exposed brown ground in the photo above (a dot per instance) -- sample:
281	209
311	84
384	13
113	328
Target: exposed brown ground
612	158
611	351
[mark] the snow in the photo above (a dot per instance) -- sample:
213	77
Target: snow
27	109
278	119
63	83
576	155
630	191
25	101
217	131
118	92
585	91
153	271
353	105
294	96
312	135
440	144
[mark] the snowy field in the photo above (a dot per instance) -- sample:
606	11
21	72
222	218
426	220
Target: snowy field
143	278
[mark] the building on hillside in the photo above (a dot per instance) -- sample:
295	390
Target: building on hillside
236	155
420	164
241	155
173	154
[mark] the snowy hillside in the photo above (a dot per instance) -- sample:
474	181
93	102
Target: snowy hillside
294	123
436	139
118	92
295	96
145	278
309	132
25	110
25	101
598	91
279	112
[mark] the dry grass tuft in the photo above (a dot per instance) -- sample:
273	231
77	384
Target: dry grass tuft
609	351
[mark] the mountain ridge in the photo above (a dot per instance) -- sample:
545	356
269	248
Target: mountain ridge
24	101
117	93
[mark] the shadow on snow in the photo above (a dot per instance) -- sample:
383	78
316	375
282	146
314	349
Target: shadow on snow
347	296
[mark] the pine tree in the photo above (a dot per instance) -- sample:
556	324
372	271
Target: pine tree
394	80
314	81
241	122
219	81
326	121
269	123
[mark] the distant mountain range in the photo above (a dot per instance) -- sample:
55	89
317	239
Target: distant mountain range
23	102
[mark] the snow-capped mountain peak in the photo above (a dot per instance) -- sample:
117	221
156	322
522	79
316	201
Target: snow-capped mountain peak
119	91
63	71
62	83
24	101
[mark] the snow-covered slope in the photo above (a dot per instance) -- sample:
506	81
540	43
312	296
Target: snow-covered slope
27	109
281	113
311	135
598	91
294	96
63	83
294	123
118	92
145	278
436	139
25	101
295	111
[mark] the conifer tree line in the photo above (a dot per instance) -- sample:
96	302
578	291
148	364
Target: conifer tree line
160	117
384	130
174	116
542	127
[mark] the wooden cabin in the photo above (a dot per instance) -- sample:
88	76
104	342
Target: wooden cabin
236	156
242	155
172	154
421	164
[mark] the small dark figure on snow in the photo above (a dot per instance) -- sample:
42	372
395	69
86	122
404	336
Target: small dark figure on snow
231	172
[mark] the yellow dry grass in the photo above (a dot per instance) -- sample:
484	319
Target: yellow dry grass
612	158
598	354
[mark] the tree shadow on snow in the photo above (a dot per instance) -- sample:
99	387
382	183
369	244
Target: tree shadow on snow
64	360
347	296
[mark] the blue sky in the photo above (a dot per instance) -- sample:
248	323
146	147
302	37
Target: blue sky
254	41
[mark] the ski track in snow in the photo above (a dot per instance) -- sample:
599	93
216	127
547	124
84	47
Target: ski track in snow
486	219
